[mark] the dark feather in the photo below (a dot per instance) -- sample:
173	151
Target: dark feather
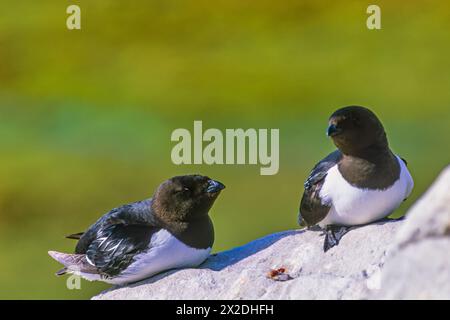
312	209
406	162
61	272
112	241
116	245
75	236
137	213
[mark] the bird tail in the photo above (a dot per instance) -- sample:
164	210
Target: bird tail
301	222
62	271
72	263
75	236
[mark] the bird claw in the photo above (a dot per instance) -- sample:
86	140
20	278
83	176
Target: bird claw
333	235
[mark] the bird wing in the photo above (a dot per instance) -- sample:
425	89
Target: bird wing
312	209
115	245
137	213
110	243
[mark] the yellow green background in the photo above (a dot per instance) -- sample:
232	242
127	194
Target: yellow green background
86	115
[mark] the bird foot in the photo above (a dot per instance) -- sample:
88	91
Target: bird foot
333	235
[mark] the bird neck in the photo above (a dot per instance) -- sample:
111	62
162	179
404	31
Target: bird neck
375	153
197	233
377	168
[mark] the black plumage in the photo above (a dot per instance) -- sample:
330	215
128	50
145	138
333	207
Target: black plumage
312	209
362	163
138	213
180	206
115	245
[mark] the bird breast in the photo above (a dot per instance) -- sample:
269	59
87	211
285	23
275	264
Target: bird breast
165	252
354	206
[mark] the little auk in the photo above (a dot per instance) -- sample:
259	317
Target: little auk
361	182
135	241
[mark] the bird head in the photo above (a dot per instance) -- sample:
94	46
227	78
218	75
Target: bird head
185	198
354	129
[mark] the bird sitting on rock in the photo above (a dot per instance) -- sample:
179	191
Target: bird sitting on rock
361	182
135	241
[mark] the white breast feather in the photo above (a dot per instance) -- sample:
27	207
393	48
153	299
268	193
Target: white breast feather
354	206
165	252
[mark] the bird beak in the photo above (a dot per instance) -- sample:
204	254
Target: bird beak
214	186
333	130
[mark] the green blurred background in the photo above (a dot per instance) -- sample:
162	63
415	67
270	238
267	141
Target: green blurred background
86	116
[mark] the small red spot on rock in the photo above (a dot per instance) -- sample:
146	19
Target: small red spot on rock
279	274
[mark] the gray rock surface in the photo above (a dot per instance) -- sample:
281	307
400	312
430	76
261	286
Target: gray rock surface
347	271
418	265
402	259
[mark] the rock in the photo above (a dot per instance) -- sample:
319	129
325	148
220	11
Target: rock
392	259
348	271
418	265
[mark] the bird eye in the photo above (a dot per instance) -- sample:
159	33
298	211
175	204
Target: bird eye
183	190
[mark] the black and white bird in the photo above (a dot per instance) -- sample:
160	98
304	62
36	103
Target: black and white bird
361	182
135	241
